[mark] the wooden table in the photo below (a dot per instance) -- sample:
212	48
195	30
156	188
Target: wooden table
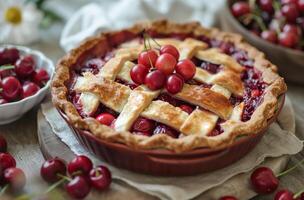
23	141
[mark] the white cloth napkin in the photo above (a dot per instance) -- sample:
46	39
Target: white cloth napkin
109	15
277	142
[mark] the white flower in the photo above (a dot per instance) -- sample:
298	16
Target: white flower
19	22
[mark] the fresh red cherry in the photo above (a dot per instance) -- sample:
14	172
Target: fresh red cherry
11	88
166	63
283	195
15	177
41	77
155	80
228	198
3	101
7	161
5	72
300	4
100	178
266	5
143	125
186	69
25	66
288	39
240	8
210	67
269	35
174	84
147	58
78	187
255	93
138	73
167	98
51	169
292	29
290	12
29	89
284	2
80	164
9	56
3	145
105	118
163	129
264	181
170	49
186	108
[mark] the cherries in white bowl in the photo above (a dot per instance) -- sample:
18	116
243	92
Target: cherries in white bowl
24	80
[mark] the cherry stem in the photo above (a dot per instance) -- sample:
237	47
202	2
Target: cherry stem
276	6
7	67
296	195
259	22
56	184
3	190
290	169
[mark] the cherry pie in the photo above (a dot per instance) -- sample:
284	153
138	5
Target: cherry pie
166	85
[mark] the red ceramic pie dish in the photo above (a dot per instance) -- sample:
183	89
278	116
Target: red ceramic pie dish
167	163
232	96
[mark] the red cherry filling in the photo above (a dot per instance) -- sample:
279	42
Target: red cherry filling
210	67
188	109
132	86
143	125
157	79
216	131
163	129
254	89
105	118
93	66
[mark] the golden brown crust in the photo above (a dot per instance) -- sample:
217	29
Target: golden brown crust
232	129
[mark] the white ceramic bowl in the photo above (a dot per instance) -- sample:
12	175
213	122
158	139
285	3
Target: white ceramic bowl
12	111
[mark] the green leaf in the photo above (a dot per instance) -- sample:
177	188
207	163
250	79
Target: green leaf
7	67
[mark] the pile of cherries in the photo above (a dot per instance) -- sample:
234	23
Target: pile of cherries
159	68
78	176
264	181
18	77
11	177
277	21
